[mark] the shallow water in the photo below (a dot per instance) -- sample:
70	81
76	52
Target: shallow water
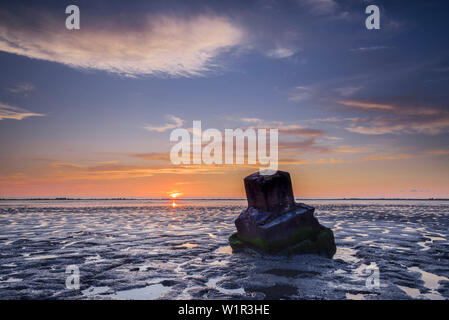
143	249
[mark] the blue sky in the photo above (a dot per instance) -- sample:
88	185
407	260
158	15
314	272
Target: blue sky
77	108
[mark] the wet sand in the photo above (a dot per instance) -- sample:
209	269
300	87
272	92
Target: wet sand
138	249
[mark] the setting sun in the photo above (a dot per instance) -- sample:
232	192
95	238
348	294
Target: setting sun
174	195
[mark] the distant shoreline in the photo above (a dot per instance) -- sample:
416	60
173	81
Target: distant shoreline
214	199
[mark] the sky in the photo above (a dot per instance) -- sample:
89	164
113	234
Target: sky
88	113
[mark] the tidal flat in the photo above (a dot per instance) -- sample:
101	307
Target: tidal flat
153	249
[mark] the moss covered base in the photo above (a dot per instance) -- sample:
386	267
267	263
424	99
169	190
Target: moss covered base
304	240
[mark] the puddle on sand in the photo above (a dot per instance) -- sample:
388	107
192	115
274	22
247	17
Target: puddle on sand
430	240
91	292
212	282
431	282
11	280
414	293
358	296
224	250
346	254
187	245
150	292
9	265
278	291
48	256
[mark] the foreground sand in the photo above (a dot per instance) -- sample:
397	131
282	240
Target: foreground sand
149	250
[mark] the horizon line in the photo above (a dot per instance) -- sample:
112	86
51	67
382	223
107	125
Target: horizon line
199	198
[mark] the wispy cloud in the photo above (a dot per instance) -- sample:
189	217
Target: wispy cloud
296	130
16	113
368	49
152	156
303	146
66	171
393	119
348	91
251	120
396	125
387	157
440	152
284	128
155	45
23	88
320	7
391	109
280	53
175	123
350	150
18	178
65	165
321	161
366	105
301	93
333	160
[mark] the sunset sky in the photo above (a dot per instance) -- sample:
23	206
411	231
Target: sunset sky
88	113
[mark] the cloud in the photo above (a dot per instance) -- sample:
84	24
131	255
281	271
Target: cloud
396	119
176	123
23	88
347	91
320	7
153	45
285	129
387	157
16	113
365	105
65	165
18	178
438	152
293	161
301	93
307	145
374	130
251	120
152	156
424	124
349	149
280	53
332	160
368	49
72	171
295	130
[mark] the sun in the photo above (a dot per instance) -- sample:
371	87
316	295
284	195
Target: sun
174	195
